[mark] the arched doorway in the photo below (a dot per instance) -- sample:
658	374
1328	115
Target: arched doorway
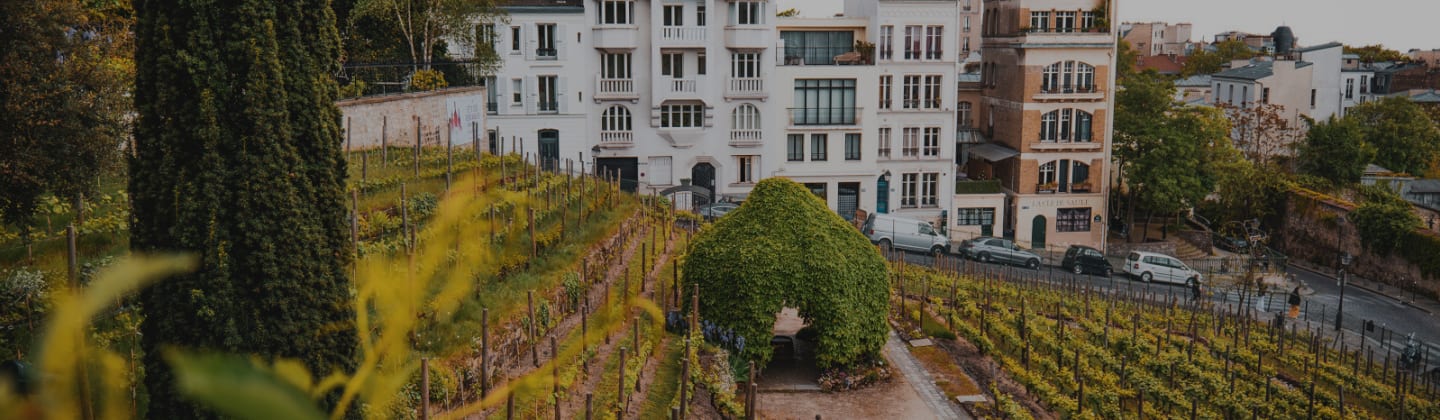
1037	233
703	175
549	149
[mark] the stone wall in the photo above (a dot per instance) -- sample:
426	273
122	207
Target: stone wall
455	114
1316	231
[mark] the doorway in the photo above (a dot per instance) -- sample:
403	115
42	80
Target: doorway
1037	233
882	194
849	200
703	175
549	149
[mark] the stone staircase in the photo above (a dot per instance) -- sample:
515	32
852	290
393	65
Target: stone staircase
1185	251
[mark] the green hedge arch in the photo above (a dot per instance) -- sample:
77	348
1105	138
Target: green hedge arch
785	248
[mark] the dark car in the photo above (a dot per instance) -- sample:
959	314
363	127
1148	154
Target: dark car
1229	243
1081	259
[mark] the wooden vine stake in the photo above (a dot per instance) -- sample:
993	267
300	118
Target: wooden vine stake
424	388
534	341
484	352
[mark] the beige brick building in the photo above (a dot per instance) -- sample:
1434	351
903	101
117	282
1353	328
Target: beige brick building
1045	111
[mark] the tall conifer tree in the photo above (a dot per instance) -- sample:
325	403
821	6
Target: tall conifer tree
238	160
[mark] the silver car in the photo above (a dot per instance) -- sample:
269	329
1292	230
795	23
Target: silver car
998	250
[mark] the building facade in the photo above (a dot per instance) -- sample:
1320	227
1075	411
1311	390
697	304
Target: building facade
1158	38
1047	75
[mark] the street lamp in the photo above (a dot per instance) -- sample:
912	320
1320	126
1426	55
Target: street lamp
1340	312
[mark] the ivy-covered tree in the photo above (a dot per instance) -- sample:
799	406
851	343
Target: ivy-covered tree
238	160
1335	149
784	248
1376	53
1383	219
1405	138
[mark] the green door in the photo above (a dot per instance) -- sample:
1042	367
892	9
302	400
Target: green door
1037	233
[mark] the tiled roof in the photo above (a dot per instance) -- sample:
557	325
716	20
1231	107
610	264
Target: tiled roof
1430	97
1254	71
1199	80
1162	64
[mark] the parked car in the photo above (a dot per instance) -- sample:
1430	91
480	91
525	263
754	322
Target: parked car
903	233
998	250
1231	236
714	211
1080	259
1149	266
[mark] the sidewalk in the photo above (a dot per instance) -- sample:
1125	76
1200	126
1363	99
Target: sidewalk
1424	304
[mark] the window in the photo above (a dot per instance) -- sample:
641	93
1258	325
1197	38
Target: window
1265	96
700	15
492	97
966	28
795	147
818	188
884	137
615	66
1039	21
965	48
911	92
1245	96
962	115
1312	99
673	15
932	93
1047	173
1087	20
747	12
700	63
824	102
1067	77
747	168
745	65
682	115
932	141
934	40
545	33
517	92
1065	175
1364	84
909	189
912	42
514	39
887	42
616	12
929	190
852	146
615	119
818	142
979	216
1349	88
549	98
910	141
1065	21
1072	220
745	118
816	47
484	40
885	86
672	64
1066	125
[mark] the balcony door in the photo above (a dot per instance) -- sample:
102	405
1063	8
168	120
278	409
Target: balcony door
549	149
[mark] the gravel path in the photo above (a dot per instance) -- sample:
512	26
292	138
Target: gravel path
920	380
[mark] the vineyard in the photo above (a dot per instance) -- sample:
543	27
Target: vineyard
1086	353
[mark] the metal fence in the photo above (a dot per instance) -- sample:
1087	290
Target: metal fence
385	78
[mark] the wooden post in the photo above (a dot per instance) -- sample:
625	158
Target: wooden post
534	245
684	378
404	219
424	388
555	375
510	406
449	158
588	405
72	264
416	159
534	341
384	143
620	395
750	393
484	352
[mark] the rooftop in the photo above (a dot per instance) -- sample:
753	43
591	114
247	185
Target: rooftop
1425	186
1324	46
1254	71
1199	80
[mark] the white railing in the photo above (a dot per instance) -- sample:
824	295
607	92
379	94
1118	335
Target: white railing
682	33
616	87
617	137
683	86
747	85
745	135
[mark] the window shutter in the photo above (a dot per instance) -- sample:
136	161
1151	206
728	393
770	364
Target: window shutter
531	97
560	95
532	32
560	41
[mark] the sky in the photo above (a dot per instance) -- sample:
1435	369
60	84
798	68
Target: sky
1398	24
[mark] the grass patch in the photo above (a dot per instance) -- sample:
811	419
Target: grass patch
951	380
665	389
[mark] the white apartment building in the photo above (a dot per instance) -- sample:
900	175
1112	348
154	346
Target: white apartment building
1356	83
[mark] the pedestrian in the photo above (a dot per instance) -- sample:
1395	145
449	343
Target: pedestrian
1295	303
1195	291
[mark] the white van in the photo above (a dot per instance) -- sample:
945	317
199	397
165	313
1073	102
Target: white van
907	234
1149	266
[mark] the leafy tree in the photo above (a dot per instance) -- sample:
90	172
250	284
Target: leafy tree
1125	65
1404	137
1143	99
1207	62
65	97
1383	219
791	12
1261	130
238	160
785	248
1170	172
1376	53
425	25
1335	149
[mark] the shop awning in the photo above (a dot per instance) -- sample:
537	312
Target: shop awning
993	152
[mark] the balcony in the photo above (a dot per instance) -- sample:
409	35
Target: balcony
1065	145
824	56
492	108
748	37
615	88
682	86
745	138
682	36
1069	93
810	117
545	54
746	87
1055	188
920	104
617	139
615	37
550	106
